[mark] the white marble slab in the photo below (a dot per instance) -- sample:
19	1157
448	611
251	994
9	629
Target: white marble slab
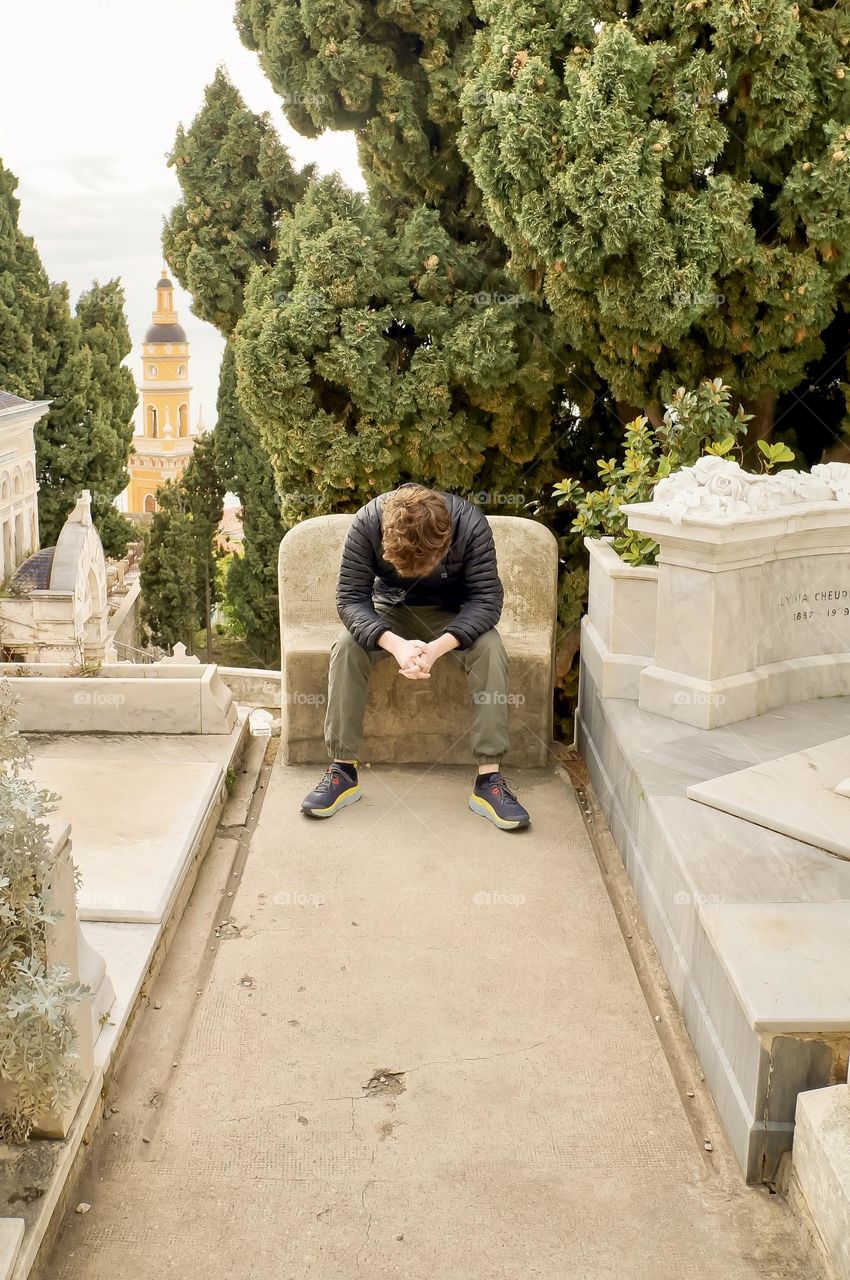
797	795
133	828
822	1168
128	950
11	1235
129	747
789	962
688	860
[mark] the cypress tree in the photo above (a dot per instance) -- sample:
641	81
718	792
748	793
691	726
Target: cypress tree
63	436
677	176
169	573
25	340
245	469
105	334
202	496
235	178
74	360
452	347
378	338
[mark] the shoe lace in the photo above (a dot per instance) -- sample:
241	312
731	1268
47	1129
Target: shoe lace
504	786
326	783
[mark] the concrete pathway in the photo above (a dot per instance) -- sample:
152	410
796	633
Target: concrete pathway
419	1049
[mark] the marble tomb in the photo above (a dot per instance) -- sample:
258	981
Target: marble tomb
714	717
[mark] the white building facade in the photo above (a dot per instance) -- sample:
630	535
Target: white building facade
19	536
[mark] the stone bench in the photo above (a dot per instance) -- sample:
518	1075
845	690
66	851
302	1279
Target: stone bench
407	721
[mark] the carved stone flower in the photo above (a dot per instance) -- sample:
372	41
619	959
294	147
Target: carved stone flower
836	475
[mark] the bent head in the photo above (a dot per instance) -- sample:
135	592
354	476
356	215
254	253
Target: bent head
416	529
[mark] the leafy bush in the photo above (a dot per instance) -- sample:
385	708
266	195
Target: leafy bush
696	422
36	1030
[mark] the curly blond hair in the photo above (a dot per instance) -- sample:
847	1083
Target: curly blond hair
416	528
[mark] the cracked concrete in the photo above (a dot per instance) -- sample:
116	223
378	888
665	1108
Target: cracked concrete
527	1125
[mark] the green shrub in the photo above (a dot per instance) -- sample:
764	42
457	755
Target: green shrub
36	1030
697	422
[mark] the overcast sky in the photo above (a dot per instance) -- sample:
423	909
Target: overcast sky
90	97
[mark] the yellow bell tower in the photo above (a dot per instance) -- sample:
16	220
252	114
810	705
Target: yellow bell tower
163	450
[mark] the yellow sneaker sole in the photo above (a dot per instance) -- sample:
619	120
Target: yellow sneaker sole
478	805
349	796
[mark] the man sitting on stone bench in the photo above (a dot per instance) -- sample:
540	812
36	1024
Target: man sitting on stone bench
418	580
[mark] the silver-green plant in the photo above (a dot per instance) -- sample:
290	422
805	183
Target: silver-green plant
37	1033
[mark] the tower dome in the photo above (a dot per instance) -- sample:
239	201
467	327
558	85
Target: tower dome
165	327
165	333
162	450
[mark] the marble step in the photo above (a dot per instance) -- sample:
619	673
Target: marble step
822	1168
11	1235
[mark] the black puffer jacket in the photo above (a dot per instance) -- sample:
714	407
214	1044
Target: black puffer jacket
466	581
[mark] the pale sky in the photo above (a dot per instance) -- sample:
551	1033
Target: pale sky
90	98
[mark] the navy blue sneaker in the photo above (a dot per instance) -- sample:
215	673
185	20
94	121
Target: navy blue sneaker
335	791
494	800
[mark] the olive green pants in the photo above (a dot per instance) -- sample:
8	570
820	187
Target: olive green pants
485	663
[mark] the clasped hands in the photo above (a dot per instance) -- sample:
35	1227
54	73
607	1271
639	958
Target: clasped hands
415	658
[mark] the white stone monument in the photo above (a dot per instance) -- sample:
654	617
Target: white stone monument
753	606
58	610
18	484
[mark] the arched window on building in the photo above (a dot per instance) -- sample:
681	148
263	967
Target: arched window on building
183	420
150	503
152	422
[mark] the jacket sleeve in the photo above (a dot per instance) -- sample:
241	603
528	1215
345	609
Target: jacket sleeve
354	586
484	596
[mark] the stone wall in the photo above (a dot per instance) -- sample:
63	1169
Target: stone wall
163	697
